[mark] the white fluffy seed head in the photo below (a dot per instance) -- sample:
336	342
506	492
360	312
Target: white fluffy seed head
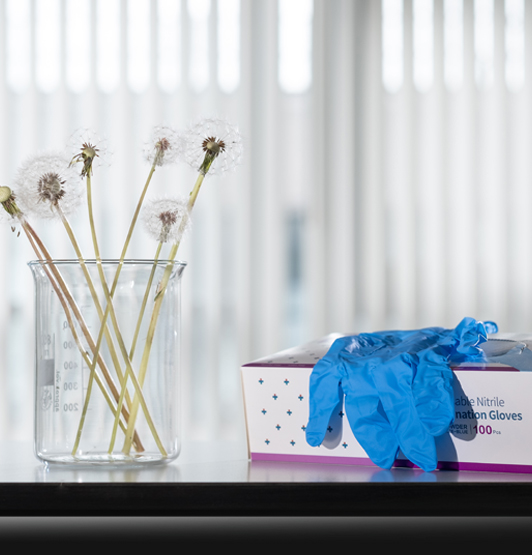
46	181
85	142
213	132
165	146
166	219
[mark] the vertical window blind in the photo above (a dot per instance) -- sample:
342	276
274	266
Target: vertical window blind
386	178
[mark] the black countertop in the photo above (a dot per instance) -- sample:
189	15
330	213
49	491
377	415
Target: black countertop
212	479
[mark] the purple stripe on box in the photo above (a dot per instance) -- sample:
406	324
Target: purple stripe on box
277	365
311	459
484	369
476	467
443	465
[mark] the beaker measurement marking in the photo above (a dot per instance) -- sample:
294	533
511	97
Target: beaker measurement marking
57	385
69	385
66	325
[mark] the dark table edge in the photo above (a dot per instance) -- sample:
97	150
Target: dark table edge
271	499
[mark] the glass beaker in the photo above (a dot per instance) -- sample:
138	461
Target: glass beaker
107	394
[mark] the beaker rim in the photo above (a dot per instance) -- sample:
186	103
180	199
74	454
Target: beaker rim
106	261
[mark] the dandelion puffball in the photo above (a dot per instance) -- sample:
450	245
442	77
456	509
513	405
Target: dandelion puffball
165	146
45	183
89	149
213	146
166	219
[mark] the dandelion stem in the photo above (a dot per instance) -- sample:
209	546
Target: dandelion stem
71	324
135	217
134	342
110	310
156	310
81	260
62	292
124	249
145	300
108	336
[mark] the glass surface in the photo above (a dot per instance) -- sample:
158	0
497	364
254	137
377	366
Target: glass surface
76	401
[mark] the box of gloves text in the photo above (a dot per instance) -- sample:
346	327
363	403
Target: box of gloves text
492	410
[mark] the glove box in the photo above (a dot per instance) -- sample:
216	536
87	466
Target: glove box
491	430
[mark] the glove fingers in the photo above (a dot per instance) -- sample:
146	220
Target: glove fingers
325	393
323	401
394	387
432	389
432	386
369	424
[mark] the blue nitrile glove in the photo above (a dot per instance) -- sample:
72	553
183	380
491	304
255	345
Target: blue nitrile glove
397	386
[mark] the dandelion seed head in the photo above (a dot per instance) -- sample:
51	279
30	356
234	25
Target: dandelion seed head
11	212
90	149
5	193
168	218
165	146
163	218
46	181
213	146
50	186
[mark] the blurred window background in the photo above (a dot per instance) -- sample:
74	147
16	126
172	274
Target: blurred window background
386	180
